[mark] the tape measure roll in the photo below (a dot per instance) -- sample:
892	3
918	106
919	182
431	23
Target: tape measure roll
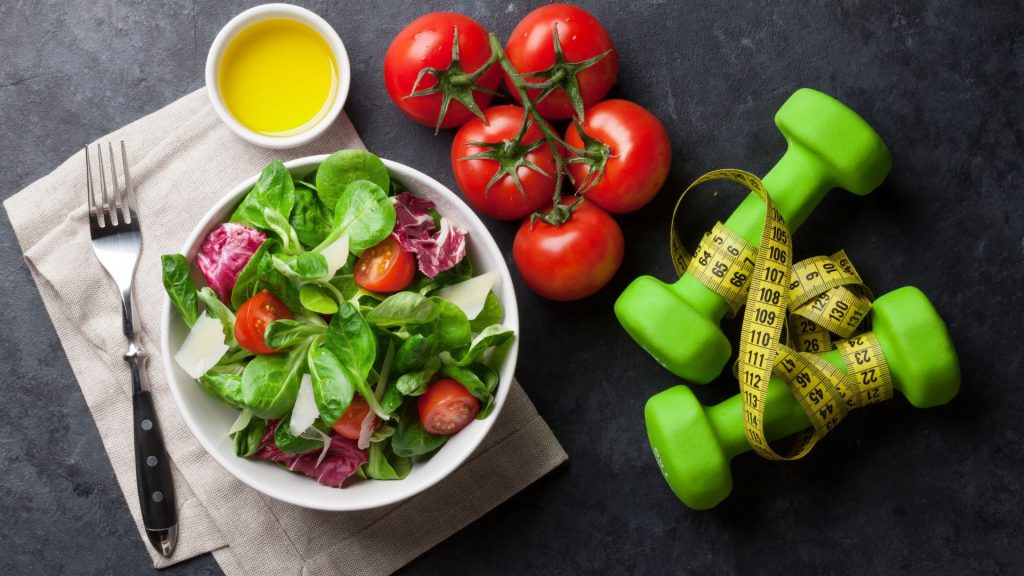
824	295
724	262
866	365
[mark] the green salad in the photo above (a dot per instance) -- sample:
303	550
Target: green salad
340	314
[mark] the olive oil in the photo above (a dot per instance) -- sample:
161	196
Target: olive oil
278	77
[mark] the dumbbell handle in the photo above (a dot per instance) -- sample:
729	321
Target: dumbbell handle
797	184
783	415
805	184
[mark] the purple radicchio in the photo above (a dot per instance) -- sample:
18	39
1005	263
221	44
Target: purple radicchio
437	248
342	460
226	250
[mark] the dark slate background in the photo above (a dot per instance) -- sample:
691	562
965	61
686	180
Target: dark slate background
893	491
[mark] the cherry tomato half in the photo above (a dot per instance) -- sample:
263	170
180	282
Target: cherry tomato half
503	201
570	261
351	421
446	407
640	155
252	320
427	42
531	49
385	267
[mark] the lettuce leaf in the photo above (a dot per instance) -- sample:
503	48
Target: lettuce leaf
225	252
342	460
438	247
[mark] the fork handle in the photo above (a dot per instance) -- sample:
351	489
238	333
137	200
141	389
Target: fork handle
153	476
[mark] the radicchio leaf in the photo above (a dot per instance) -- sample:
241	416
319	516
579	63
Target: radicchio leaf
342	459
226	250
436	249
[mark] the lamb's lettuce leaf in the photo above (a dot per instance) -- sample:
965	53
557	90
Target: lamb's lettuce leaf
344	167
365	213
334	384
311	220
247	434
403	308
270	382
281	334
451	329
317	298
493	313
490	337
280	285
248	282
217	309
351	339
290	444
181	288
416	382
224	382
383	464
479	380
410	439
307	266
273	189
413	353
269	204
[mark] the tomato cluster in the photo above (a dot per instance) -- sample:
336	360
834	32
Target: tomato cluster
558	64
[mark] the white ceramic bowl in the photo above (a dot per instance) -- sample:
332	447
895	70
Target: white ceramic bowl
267	12
210	420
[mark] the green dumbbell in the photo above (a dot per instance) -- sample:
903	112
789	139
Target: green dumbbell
694	444
829	146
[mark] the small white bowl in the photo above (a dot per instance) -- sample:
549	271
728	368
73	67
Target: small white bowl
268	12
210	420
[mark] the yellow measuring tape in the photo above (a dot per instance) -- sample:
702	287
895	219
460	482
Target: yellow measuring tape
823	294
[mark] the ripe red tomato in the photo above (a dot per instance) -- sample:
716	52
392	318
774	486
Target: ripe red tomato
570	261
252	320
351	421
503	201
427	42
446	407
531	49
641	155
385	267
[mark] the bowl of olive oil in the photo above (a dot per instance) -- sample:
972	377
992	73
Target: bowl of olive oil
277	75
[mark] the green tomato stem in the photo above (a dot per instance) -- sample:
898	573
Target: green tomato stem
531	110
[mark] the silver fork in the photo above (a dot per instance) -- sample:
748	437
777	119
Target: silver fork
117	242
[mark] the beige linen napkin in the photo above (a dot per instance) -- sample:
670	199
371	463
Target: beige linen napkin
182	160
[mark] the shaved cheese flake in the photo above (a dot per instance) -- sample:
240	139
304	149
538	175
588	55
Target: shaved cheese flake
336	254
366	428
203	347
305	411
327	446
241	422
470	295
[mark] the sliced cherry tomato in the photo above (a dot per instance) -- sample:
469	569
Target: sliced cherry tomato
252	320
446	407
385	267
638	155
531	49
503	200
427	42
351	421
570	261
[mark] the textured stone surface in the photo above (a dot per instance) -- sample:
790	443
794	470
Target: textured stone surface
892	491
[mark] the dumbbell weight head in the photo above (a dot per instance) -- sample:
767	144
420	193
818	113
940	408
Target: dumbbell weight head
829	145
694	444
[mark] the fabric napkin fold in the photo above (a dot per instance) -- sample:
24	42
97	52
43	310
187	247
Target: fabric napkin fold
183	159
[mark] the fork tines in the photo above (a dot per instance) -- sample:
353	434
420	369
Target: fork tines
116	208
